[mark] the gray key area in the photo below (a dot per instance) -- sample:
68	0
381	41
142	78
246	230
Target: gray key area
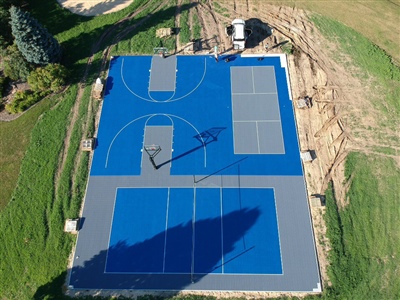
255	111
159	136
163	74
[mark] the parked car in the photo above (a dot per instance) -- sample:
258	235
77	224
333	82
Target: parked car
239	33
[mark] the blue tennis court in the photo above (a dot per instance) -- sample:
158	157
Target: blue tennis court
217	240
196	181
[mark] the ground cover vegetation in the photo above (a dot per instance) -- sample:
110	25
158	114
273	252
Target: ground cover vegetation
184	31
364	234
34	250
376	20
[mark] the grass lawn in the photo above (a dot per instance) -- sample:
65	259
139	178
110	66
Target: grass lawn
14	139
365	235
376	20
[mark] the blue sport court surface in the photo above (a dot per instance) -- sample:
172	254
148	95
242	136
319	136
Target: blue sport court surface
223	205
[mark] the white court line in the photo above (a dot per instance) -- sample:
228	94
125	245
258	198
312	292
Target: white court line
150	116
258	138
254	93
193	229
250	121
170	99
252	80
126	85
111	225
151	68
166	230
222	227
200	82
144	136
277	225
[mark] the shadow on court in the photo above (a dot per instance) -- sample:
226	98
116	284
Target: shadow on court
170	251
206	137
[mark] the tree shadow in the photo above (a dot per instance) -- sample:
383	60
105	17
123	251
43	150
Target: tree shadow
167	261
54	17
98	9
261	31
110	34
162	263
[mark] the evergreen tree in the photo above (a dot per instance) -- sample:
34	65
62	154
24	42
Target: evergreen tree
36	44
14	63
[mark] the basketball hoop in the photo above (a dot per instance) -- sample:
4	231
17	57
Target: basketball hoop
152	151
161	51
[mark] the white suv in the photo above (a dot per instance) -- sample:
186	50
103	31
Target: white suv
239	33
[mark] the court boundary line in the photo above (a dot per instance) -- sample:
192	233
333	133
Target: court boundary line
144	136
254	120
215	274
279	233
254	93
166	229
193	273
150	116
150	71
222	226
109	234
284	64
258	138
170	99
193	232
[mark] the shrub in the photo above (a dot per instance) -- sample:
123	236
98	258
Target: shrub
23	100
3	83
51	77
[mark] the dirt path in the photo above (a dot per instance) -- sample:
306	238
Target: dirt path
82	84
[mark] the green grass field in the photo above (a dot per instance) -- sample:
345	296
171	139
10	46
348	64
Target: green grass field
34	250
376	20
365	235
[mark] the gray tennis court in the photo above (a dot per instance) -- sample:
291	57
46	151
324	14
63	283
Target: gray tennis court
256	118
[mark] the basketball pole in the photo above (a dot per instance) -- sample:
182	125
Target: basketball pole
152	151
153	163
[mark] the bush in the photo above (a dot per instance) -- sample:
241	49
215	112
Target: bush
3	83
52	77
23	100
15	65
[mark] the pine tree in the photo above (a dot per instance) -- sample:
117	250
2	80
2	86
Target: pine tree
36	44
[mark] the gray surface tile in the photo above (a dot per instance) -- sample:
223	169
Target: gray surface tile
163	74
242	80
255	107
270	137
264	79
246	138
